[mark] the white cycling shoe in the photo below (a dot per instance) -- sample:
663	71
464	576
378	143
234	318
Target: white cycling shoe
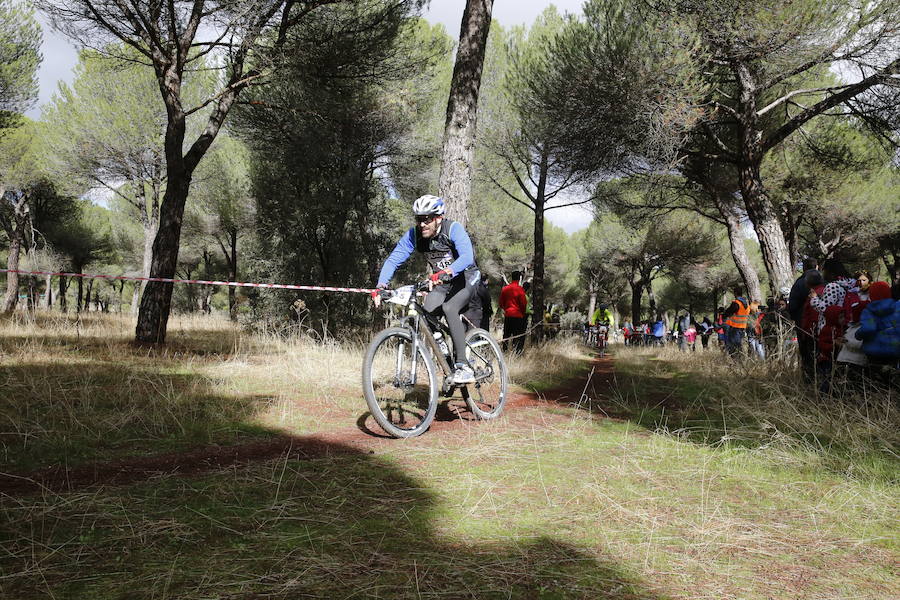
463	373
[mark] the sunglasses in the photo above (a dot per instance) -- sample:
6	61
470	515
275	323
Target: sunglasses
425	218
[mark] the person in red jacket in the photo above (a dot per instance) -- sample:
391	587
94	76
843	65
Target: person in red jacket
513	303
829	345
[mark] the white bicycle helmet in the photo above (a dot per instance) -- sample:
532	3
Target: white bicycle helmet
428	205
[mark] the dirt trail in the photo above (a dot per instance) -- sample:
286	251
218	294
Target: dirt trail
365	437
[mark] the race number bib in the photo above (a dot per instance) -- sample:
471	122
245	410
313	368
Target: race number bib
440	260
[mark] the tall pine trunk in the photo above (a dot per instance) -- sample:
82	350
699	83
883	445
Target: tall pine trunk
149	237
232	276
156	300
87	295
738	251
12	279
79	299
772	242
592	301
150	223
458	153
637	292
16	231
33	293
537	281
61	296
651	298
48	299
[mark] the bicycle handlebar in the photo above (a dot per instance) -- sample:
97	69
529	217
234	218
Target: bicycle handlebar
411	290
418	287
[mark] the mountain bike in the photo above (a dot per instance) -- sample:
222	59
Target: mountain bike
602	334
595	336
400	370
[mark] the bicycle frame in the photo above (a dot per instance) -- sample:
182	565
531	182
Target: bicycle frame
414	319
422	326
426	334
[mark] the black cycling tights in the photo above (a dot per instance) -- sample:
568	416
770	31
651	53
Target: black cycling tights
452	299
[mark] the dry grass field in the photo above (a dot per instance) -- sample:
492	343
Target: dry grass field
232	465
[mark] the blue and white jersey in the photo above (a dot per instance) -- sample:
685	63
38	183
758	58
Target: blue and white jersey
450	249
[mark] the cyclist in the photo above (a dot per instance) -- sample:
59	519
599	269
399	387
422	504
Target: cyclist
602	319
454	275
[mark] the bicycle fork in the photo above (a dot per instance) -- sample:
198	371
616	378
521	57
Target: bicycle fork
401	355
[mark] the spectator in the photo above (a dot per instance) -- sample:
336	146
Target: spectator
768	328
736	316
552	320
806	329
659	331
720	327
513	303
831	332
879	327
754	330
529	309
480	309
797	300
628	332
690	336
784	332
851	359
682	323
706	330
837	283
800	291
487	306
863	281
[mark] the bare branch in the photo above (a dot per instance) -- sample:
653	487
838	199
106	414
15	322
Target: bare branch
825	104
503	189
790	95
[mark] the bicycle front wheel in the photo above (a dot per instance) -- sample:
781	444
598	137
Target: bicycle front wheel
400	389
487	395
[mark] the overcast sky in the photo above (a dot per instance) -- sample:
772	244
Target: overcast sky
60	58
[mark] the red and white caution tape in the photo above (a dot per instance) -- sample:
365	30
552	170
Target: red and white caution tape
274	286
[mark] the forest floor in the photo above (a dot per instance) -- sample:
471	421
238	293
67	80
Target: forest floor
236	466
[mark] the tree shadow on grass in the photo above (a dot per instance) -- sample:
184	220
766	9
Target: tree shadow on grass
339	523
56	414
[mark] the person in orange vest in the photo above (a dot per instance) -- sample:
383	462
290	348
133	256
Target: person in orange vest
754	330
736	316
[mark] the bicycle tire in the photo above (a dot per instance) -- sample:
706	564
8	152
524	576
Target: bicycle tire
486	397
415	403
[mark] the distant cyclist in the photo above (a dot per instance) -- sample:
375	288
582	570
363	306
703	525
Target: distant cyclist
449	253
602	317
601	320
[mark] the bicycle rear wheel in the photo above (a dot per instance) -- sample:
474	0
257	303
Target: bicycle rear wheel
403	405
487	396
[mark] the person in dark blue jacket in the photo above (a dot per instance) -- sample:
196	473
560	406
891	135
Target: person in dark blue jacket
454	275
659	331
879	327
